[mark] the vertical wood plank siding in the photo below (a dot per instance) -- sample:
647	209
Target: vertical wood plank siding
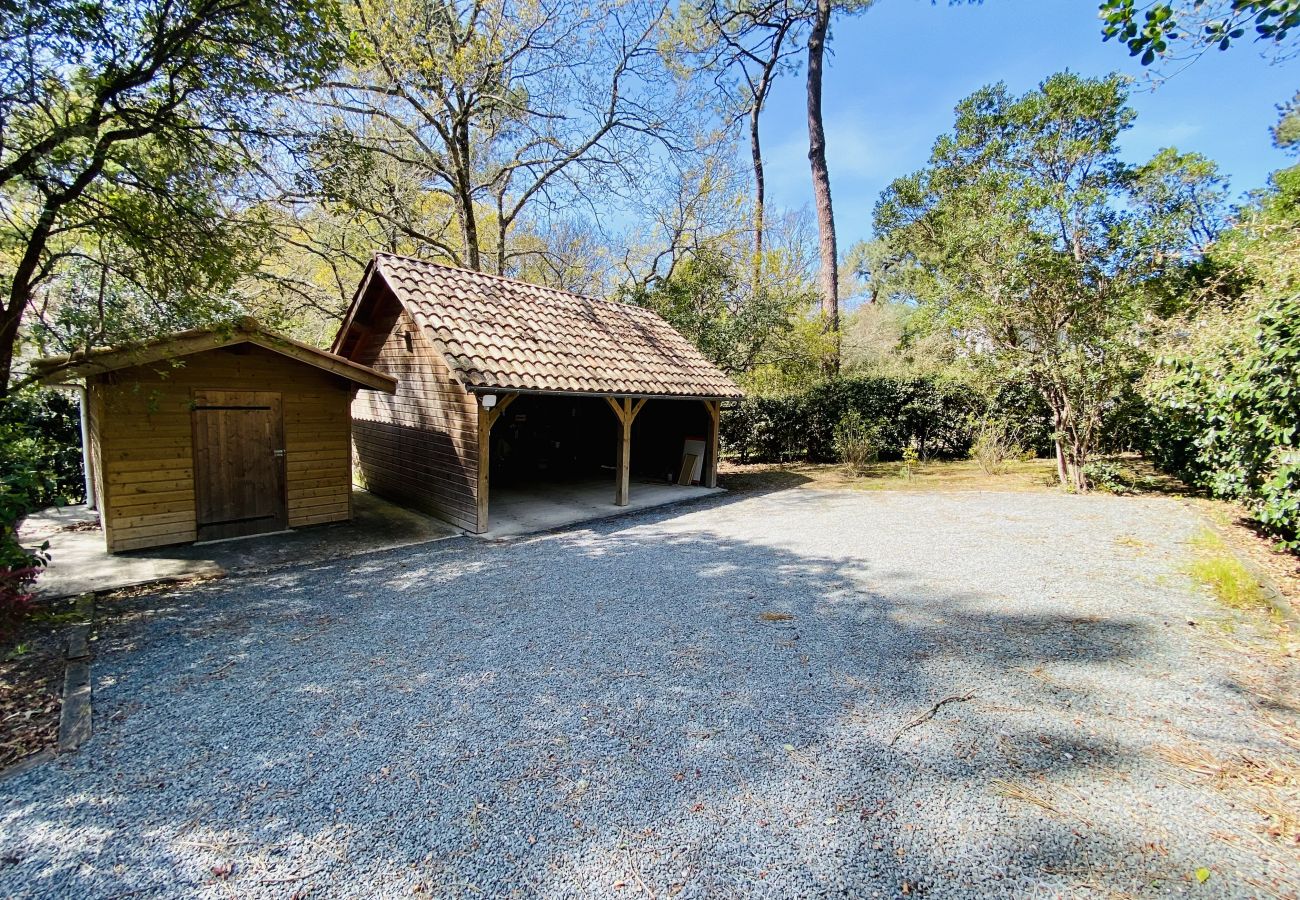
145	449
418	447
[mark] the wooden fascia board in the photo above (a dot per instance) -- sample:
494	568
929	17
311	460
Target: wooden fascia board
542	392
188	346
355	304
335	365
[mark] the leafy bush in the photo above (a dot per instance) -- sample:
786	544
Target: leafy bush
1108	477
1227	416
40	449
40	464
857	442
911	463
935	416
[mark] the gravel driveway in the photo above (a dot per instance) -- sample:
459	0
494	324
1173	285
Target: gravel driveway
694	702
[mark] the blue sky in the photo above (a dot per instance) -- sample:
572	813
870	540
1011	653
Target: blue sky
900	68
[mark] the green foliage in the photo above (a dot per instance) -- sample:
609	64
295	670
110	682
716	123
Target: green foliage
40	464
1109	477
911	463
127	132
763	336
935	417
1028	236
710	301
1286	133
1225	575
1154	30
857	442
1225	396
40	452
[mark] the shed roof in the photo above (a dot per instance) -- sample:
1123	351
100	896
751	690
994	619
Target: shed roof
500	334
184	343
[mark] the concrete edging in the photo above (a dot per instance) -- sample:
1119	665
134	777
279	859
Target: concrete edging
75	716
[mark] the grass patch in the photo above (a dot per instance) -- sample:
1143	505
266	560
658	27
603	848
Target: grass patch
775	616
1225	575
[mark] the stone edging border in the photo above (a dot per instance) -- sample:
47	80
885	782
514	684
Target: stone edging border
75	717
75	713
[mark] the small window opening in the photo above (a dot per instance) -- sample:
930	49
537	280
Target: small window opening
410	345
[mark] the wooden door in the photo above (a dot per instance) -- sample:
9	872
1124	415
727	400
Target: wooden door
238	464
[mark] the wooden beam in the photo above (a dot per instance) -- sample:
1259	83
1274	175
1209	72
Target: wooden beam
199	340
484	458
486	419
616	405
624	473
626	412
709	477
502	403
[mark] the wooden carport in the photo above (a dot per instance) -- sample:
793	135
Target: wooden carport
466	346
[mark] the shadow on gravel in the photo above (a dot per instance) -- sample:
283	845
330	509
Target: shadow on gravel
601	712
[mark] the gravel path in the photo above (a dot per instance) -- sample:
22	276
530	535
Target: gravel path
685	703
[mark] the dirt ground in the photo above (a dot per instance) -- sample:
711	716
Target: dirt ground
31	684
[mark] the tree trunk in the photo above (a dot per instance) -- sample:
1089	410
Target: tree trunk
9	319
465	197
756	150
821	180
760	92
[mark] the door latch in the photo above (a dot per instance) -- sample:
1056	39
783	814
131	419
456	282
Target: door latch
279	453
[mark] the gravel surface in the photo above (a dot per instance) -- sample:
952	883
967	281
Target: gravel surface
694	702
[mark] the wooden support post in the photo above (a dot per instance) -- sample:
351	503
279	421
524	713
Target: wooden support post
484	457
624	473
626	413
709	477
486	419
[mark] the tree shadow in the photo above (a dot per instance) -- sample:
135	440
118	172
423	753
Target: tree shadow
642	705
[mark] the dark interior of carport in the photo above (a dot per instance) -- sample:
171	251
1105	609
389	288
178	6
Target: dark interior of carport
558	438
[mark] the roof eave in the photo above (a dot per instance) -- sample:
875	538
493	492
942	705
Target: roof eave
497	389
60	369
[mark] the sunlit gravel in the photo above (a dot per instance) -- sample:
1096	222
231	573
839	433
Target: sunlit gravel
697	702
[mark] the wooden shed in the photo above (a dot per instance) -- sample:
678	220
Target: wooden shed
542	386
217	433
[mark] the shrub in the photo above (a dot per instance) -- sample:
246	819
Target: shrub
995	446
1108	477
934	416
40	464
1226	417
18	566
911	462
857	442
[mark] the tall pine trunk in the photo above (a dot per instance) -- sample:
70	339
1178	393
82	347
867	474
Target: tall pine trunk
821	180
760	198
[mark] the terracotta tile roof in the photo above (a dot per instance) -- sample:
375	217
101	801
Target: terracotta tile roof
505	334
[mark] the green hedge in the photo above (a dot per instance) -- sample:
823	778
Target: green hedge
936	416
1229	421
